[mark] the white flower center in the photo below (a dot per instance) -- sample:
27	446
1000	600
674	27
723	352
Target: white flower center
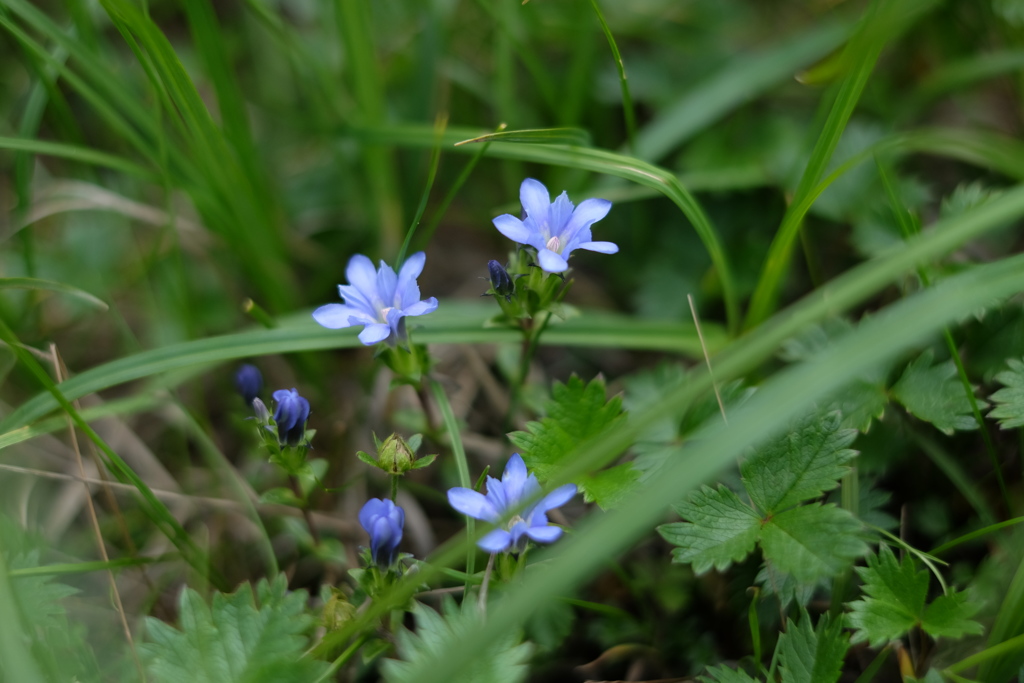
554	245
512	522
384	313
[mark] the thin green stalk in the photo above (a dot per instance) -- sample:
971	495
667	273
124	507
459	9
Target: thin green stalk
755	628
461	464
531	338
979	533
435	159
909	226
343	658
627	100
1007	646
869	673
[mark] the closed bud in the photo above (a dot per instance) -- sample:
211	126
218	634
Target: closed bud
249	382
396	456
291	415
262	414
501	282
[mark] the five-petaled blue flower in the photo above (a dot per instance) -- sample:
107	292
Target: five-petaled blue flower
249	382
378	299
384	521
554	229
506	496
290	416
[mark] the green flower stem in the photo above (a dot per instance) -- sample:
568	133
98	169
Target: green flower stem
1016	643
627	100
461	464
343	658
304	506
486	583
992	528
394	487
531	339
876	664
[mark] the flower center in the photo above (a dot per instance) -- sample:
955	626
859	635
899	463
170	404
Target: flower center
515	520
384	313
554	245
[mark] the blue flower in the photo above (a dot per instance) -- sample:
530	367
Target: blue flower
249	382
384	521
554	229
506	496
291	415
378	299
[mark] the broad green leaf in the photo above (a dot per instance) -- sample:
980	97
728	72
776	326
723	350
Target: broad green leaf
723	674
801	465
812	655
503	661
575	413
894	603
1010	399
721	530
812	541
934	394
239	638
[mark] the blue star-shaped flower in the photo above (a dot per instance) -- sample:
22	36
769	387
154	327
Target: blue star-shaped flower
554	229
378	299
506	496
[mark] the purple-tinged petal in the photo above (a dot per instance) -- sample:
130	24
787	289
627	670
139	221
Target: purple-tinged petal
513	228
354	298
589	211
387	281
560	213
375	507
362	275
495	541
336	316
422	307
544	534
372	334
407	291
514	480
550	262
600	247
536	200
496	494
557	498
473	504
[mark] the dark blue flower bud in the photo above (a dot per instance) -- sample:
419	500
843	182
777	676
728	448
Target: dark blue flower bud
501	282
384	521
249	382
291	415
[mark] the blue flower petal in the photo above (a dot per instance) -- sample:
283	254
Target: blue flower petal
495	541
557	498
535	200
600	247
407	292
473	504
372	334
337	316
387	282
544	534
514	480
560	213
550	262
513	228
362	275
422	307
588	212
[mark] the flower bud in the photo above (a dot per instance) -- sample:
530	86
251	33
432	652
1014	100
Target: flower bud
384	521
262	414
501	282
396	456
249	382
291	415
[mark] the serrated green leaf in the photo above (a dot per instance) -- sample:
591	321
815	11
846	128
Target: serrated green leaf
812	541
234	639
812	655
784	586
576	412
721	530
723	674
1010	411
894	603
934	394
801	465
39	597
503	661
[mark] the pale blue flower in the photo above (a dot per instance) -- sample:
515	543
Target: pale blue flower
384	521
378	299
507	496
290	416
554	229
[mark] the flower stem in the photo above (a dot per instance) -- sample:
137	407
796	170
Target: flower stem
304	506
485	584
394	487
531	338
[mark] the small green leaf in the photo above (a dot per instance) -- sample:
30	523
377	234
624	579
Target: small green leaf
812	655
281	495
894	603
723	674
504	660
934	394
576	412
812	541
722	530
1010	411
234	639
801	465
